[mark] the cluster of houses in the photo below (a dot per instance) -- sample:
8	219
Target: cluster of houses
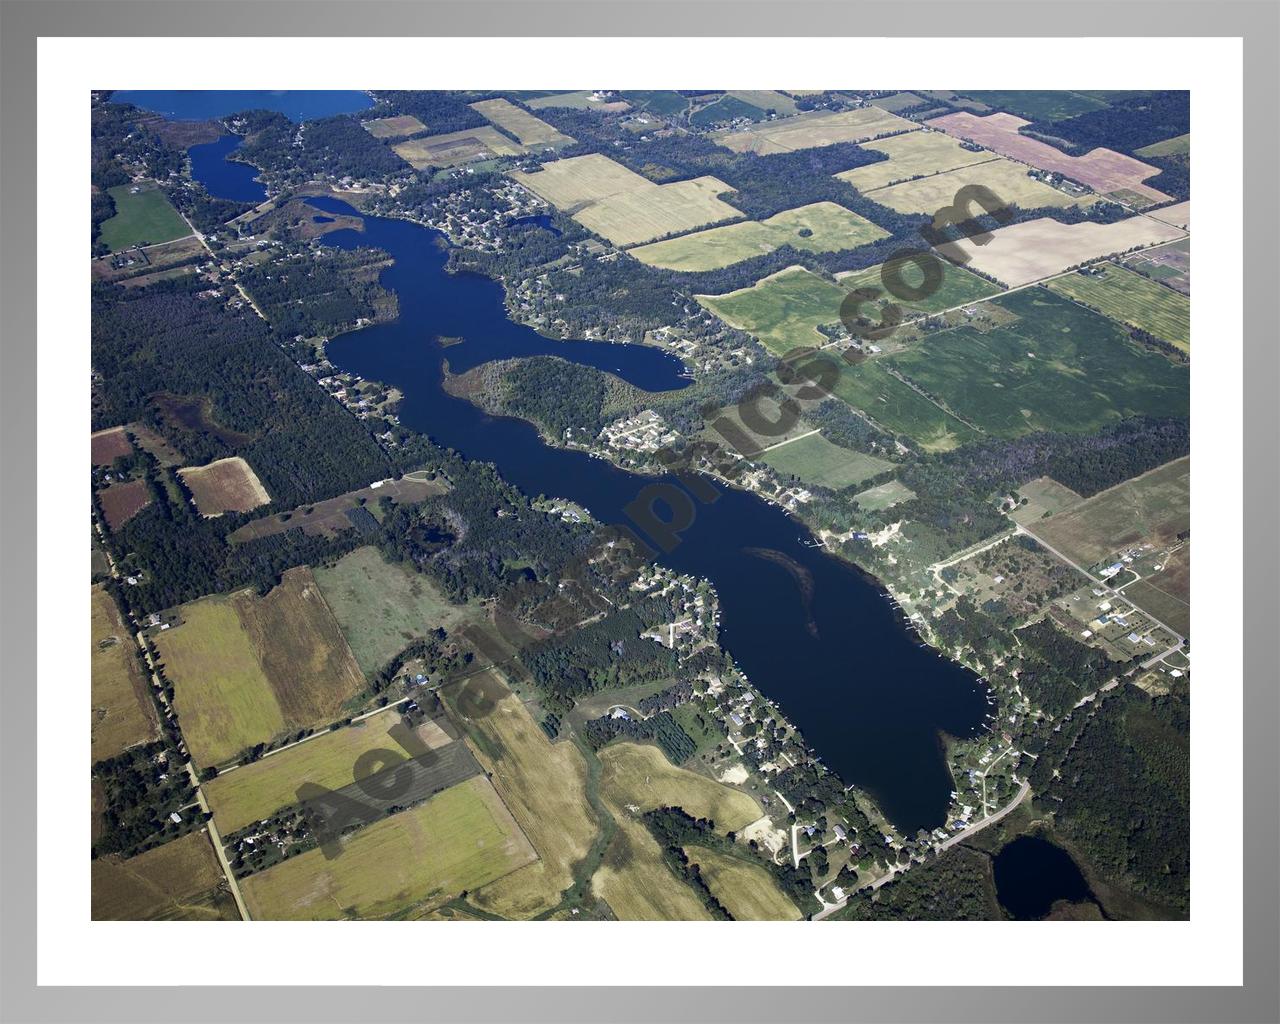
479	227
697	614
644	433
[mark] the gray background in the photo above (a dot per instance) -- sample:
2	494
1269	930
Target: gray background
22	22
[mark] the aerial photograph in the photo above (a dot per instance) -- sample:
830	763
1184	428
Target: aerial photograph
658	505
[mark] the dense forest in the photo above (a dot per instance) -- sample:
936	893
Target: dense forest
957	886
328	147
243	395
1118	782
320	292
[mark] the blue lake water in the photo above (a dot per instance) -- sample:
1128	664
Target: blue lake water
1032	874
224	178
839	662
200	105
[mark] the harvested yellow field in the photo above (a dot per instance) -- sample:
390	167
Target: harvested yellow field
394	127
179	881
1179	215
415	860
454	148
806	131
582	179
624	207
301	649
641	776
818	227
531	131
254	791
1008	180
911	155
544	784
747	890
635	880
1036	249
123	714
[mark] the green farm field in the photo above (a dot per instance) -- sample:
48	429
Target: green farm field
783	310
1131	298
831	228
1058	367
382	606
1179	145
458	840
222	695
958	287
142	217
254	791
896	406
1040	104
661	101
815	461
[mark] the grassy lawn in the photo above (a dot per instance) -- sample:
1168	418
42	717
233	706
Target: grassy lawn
701	728
957	288
818	227
458	840
382	606
1131	298
815	461
783	310
883	496
142	218
1058	367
